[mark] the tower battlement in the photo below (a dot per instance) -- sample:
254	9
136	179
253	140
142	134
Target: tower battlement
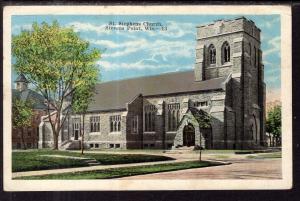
221	27
227	47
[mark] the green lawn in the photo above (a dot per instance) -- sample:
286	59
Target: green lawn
34	159
125	171
265	156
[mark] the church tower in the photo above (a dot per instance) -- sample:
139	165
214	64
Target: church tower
232	49
21	83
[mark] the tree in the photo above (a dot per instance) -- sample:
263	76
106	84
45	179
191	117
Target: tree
203	120
21	116
82	98
56	61
273	123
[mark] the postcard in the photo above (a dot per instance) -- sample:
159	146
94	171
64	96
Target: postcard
147	98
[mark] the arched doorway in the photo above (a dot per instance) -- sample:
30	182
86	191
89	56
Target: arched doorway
189	135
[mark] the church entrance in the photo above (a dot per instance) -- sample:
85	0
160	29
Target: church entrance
189	135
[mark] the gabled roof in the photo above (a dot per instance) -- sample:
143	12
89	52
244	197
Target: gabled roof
114	95
28	94
21	78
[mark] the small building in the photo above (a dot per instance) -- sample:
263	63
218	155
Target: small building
31	133
161	112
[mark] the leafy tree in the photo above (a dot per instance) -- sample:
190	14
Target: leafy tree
82	98
21	116
273	123
203	120
56	61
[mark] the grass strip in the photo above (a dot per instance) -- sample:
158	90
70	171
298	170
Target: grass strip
34	160
125	171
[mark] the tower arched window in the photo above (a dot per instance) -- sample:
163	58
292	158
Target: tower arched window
212	54
226	52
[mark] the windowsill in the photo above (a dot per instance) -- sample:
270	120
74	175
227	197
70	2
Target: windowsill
94	133
222	66
227	64
212	66
171	132
149	132
115	132
202	107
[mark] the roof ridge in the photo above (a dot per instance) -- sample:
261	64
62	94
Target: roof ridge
146	76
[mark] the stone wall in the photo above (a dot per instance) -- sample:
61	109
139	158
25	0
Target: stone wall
135	110
158	137
104	138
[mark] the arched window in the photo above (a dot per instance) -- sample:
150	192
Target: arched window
146	121
153	121
173	116
177	118
169	120
225	52
149	121
212	54
92	128
119	126
111	126
173	120
115	126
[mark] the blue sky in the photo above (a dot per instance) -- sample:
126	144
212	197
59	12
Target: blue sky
129	54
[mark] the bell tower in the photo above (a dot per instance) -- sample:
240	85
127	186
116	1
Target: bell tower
21	83
232	49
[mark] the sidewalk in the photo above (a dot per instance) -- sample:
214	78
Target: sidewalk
91	168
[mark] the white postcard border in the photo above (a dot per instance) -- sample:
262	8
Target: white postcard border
82	185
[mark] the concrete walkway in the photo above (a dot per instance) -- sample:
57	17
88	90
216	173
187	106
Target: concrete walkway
239	169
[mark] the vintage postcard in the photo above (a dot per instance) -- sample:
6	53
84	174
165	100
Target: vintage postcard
147	98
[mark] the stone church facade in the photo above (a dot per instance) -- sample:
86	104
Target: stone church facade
226	85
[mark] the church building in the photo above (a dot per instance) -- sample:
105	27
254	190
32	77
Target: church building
162	111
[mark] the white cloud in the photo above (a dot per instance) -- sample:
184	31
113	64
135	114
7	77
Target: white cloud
158	51
158	47
269	23
120	49
175	30
274	47
139	65
79	26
